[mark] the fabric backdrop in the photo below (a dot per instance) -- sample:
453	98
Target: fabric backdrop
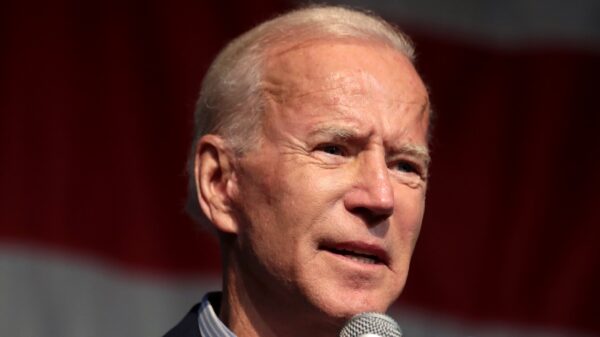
96	101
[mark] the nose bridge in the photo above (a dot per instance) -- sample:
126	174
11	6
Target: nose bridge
375	182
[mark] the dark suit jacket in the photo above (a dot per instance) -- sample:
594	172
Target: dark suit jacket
188	327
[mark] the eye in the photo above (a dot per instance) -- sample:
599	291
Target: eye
332	149
408	167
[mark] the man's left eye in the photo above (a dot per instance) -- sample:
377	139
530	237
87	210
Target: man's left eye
408	167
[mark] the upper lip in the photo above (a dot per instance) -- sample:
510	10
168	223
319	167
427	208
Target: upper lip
360	247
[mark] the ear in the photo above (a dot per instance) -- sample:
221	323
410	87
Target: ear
215	182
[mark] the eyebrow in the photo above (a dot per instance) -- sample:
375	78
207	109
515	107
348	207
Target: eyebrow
418	151
335	131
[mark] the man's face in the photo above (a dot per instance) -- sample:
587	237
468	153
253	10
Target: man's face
331	201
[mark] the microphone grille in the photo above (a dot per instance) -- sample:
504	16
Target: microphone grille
371	324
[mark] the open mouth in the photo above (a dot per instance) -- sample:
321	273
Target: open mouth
360	257
367	255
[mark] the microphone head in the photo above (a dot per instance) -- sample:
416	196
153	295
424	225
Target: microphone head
371	324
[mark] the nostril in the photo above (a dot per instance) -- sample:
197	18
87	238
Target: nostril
369	216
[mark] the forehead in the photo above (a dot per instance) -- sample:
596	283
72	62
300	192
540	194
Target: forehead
350	66
360	83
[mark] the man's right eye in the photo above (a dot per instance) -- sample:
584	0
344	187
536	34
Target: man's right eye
331	149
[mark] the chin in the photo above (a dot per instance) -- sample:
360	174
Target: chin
339	294
346	304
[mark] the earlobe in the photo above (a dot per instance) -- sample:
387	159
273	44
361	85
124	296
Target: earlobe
213	171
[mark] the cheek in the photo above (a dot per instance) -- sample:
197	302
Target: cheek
308	191
410	210
268	209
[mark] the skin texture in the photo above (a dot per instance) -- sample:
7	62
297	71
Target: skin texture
342	164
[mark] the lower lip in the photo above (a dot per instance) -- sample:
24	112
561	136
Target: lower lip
355	263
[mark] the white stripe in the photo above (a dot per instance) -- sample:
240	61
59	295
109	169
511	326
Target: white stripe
203	326
416	323
507	23
210	324
207	329
42	294
48	295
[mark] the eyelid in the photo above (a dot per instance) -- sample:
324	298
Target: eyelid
419	167
343	149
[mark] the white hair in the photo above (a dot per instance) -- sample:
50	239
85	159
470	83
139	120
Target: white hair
231	99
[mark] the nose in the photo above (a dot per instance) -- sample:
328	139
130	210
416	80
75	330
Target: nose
372	194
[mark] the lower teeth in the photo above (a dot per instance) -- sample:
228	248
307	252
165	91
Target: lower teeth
361	259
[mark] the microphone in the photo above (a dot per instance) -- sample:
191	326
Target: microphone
371	324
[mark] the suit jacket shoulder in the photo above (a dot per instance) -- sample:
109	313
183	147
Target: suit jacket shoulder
188	327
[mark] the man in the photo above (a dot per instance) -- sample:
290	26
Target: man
310	163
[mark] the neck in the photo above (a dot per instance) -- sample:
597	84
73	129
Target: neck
253	310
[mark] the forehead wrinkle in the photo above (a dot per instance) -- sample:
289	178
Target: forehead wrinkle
288	82
318	91
333	89
332	98
283	90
